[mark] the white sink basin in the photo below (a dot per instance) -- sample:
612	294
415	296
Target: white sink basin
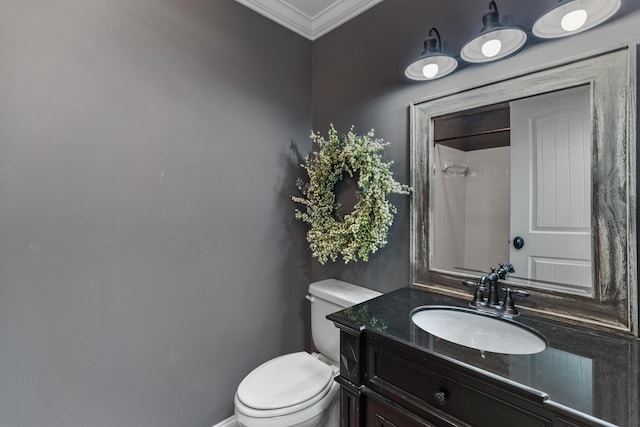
478	330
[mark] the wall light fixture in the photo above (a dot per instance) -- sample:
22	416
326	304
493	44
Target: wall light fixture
573	16
432	63
495	41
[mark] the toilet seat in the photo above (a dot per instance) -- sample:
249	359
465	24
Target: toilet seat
285	385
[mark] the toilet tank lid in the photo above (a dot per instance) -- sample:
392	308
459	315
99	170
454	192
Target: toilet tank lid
342	293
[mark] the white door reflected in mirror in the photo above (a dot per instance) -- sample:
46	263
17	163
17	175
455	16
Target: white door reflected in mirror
551	190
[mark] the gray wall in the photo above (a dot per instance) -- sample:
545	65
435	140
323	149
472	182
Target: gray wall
148	254
149	257
358	79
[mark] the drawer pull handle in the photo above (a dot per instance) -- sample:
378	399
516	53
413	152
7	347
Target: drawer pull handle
441	396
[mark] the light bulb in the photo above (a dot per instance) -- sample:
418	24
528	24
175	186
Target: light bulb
491	48
574	20
430	70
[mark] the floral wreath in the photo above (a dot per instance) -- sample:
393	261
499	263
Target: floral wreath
364	230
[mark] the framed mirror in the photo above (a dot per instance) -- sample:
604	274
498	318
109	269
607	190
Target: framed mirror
537	171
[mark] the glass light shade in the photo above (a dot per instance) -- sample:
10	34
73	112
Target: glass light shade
509	39
431	66
561	21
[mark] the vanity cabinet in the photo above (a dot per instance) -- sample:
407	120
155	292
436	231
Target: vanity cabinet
388	383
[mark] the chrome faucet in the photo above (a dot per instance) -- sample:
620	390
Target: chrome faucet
492	302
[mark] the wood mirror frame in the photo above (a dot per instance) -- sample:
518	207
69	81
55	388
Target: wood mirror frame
612	77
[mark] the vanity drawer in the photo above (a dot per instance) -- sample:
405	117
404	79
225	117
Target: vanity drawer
382	413
425	385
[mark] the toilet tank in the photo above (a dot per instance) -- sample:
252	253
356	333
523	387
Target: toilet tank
329	296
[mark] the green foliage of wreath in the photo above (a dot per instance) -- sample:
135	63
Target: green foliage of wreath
363	231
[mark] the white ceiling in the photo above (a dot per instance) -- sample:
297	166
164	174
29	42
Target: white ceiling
310	18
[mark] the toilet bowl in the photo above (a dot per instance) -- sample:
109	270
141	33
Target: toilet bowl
298	389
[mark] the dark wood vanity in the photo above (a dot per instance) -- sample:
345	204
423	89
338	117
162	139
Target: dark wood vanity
392	373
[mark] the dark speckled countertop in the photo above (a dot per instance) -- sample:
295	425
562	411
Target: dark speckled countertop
588	371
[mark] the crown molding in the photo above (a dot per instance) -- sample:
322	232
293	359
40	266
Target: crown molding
310	27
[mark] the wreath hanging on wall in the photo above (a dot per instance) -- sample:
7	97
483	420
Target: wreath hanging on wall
363	231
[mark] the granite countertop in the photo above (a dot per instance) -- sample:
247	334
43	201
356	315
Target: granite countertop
589	371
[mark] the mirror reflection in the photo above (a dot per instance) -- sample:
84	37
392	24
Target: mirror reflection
512	184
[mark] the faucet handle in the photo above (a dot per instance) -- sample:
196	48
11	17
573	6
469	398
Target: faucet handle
478	285
509	306
478	296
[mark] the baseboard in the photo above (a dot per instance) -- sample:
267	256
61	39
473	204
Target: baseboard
229	422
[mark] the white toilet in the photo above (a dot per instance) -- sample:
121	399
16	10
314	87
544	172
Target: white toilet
298	389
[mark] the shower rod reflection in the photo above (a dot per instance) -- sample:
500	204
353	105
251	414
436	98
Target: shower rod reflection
453	169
